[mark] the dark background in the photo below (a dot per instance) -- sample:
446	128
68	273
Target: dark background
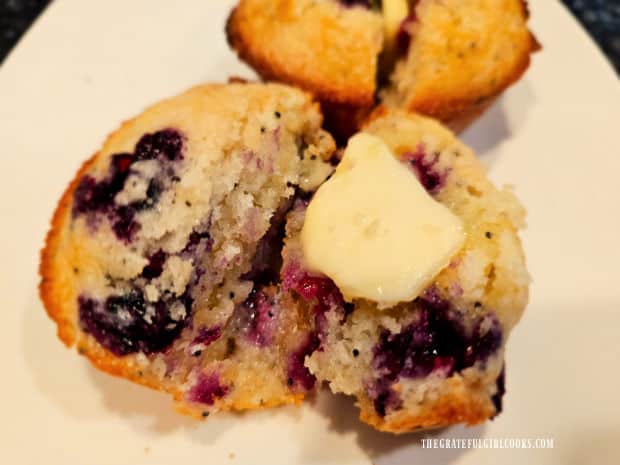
600	17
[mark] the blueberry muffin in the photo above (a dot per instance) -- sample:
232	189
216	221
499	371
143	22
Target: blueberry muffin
444	58
413	357
210	250
163	258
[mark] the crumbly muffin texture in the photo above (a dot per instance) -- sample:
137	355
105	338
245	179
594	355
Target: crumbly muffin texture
160	262
436	360
449	58
174	260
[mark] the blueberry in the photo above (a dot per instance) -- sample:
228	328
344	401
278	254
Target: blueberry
195	239
384	397
207	335
155	265
436	341
166	143
501	390
93	197
267	260
425	168
124	224
299	377
207	389
126	323
320	290
254	317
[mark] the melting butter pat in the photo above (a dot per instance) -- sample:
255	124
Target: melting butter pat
374	230
394	12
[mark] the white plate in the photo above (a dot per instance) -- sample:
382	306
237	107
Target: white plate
86	66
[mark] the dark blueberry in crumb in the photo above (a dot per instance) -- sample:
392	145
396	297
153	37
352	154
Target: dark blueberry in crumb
277	114
152	195
207	389
126	324
205	414
206	335
356	353
436	340
231	295
166	143
348	308
89	196
501	390
97	197
122	162
197	353
253	317
188	204
267	259
262	129
195	239
384	398
155	266
124	224
488	234
426	170
485	340
324	290
298	375
477	304
320	290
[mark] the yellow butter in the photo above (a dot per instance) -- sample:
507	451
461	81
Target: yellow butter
394	12
374	230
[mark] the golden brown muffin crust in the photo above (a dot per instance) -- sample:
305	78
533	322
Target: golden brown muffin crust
320	46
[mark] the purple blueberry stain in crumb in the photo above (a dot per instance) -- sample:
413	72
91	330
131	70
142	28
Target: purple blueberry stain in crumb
318	289
155	266
95	198
198	240
298	375
425	168
207	389
255	317
309	287
207	335
437	341
167	143
485	340
385	398
127	323
267	260
501	390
